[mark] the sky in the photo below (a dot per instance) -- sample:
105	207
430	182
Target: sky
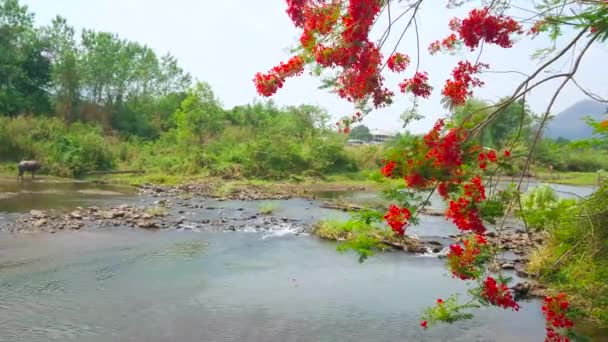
225	43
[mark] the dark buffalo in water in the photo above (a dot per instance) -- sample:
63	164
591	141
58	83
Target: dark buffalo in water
28	165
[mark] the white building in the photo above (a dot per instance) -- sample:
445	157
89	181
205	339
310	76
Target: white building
380	136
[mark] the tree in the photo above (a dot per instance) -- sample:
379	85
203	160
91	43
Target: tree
65	68
360	132
513	123
24	68
199	116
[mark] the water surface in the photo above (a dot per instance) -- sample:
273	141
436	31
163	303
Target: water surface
181	286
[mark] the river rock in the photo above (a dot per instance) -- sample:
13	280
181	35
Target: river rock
529	289
507	266
76	214
40	222
146	224
38	214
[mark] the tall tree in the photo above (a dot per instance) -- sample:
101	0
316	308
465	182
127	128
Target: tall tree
24	69
200	115
65	66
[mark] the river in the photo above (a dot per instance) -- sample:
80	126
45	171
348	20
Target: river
195	285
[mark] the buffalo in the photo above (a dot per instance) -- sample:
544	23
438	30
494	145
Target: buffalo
28	165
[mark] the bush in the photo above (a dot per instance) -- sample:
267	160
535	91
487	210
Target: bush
65	150
575	258
541	208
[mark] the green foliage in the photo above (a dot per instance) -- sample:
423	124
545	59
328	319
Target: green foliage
360	132
511	121
24	71
575	258
65	150
448	311
266	208
565	156
363	245
542	208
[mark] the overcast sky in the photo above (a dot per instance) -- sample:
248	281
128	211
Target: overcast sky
226	42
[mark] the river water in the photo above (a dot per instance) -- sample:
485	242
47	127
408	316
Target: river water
184	285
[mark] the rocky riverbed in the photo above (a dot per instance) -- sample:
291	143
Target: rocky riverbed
185	207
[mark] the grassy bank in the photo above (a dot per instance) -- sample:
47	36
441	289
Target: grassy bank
570	178
574	258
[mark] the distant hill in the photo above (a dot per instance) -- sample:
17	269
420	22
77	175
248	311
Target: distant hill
570	123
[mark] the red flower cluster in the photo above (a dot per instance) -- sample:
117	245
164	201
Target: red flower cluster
498	294
359	19
387	170
443	190
491	157
475	190
481	25
398	62
445	151
397	218
295	10
464	212
465	216
268	84
464	262
458	89
360	60
449	43
555	310
417	85
362	77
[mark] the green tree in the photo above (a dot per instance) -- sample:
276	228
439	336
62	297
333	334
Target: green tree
200	115
515	121
65	67
24	69
360	132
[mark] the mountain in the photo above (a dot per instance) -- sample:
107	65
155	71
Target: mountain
570	124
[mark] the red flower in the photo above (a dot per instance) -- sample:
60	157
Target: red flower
449	43
465	216
295	10
459	89
440	301
434	47
556	314
397	218
492	157
417	85
463	261
442	189
268	84
481	25
498	294
415	180
507	153
398	62
387	170
424	324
